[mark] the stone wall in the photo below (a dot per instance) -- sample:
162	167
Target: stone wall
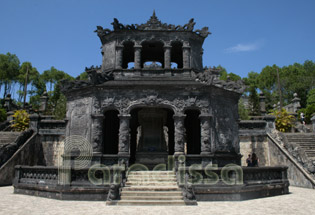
253	139
51	136
296	175
28	154
53	147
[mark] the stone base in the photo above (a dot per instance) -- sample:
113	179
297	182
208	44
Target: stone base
70	193
239	193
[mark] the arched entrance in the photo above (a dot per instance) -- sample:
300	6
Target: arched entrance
152	136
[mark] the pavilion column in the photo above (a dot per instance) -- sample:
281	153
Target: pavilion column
137	63
124	134
167	56
205	132
97	133
186	56
179	136
119	56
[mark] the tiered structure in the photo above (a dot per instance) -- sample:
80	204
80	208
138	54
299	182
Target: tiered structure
155	109
150	102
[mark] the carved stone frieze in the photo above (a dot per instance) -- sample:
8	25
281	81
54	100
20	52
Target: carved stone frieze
178	104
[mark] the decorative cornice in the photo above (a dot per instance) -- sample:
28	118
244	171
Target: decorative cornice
153	24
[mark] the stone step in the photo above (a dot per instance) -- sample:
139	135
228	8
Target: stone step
151	198
151	188
151	183
150	193
149	203
151	179
151	172
301	139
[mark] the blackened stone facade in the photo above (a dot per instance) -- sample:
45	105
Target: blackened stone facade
187	94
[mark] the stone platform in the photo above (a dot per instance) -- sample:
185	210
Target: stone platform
299	201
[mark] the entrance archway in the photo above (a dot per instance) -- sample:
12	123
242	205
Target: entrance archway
152	135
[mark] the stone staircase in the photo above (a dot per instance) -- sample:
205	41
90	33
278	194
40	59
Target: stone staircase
151	188
305	141
8	137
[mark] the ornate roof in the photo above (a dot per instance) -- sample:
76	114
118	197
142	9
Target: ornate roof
153	24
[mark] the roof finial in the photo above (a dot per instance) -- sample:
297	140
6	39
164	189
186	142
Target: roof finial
154	14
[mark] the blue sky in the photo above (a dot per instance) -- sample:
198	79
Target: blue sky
246	35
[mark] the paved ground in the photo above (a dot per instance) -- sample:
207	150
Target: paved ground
300	201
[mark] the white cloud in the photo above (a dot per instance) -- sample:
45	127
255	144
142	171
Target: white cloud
245	47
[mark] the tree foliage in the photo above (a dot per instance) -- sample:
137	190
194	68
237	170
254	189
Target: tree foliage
242	111
21	120
284	121
3	115
9	70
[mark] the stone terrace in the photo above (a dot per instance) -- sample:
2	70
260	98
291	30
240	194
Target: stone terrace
300	201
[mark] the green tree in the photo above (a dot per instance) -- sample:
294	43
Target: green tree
242	111
284	121
3	115
9	70
27	75
52	76
83	76
253	101
224	74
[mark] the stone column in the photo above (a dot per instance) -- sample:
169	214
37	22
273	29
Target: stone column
137	63
119	56
205	132
296	103
167	56
186	56
262	104
8	102
43	103
179	137
124	134
97	133
34	121
270	123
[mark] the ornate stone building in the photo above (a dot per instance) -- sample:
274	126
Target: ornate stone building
164	103
149	102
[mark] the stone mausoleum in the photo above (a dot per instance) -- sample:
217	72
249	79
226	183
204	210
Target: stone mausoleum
152	99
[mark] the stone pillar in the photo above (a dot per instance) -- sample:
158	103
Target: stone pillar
313	122
8	102
124	134
262	104
167	56
34	121
186	56
137	63
296	103
97	133
119	56
179	137
43	103
270	123
205	132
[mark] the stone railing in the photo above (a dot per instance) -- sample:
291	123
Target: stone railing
234	182
7	151
94	183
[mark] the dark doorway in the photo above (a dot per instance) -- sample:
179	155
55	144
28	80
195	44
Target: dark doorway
110	132
192	125
135	129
